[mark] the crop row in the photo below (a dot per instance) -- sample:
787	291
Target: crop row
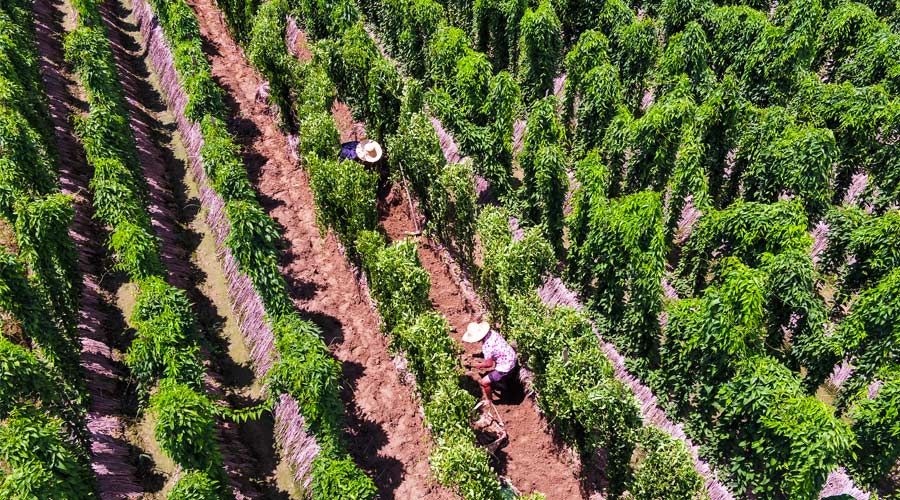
43	437
301	375
164	359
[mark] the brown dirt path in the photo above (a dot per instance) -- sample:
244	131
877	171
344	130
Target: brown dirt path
387	435
99	328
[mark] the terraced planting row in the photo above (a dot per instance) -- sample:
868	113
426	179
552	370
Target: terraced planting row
174	327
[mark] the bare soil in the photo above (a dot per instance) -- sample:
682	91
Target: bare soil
100	324
386	433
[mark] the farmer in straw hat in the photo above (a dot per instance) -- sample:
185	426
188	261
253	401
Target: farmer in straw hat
368	151
499	356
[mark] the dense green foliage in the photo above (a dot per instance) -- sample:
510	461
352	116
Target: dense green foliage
540	50
446	193
38	462
544	166
618	251
662	468
185	429
30	201
238	13
194	485
509	267
797	439
44	445
575	383
165	343
876	418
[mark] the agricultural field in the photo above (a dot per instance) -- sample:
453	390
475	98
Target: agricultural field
684	216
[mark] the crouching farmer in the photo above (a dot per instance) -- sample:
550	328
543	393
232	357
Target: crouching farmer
499	356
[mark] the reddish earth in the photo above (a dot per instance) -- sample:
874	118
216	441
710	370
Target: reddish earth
97	328
386	433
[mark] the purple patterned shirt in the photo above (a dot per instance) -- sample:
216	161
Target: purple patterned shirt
497	348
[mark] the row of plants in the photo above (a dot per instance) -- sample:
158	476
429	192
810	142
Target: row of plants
303	367
34	211
378	94
400	287
164	358
44	441
575	382
345	195
43	437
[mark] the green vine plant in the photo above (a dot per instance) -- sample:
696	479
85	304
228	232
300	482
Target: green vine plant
544	165
868	334
618	250
874	414
591	50
540	51
496	30
446	193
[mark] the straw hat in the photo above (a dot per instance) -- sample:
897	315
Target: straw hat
476	331
368	151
